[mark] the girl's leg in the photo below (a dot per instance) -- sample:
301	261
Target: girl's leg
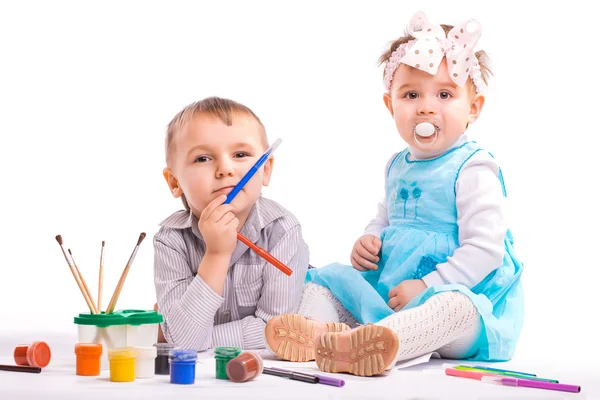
448	322
292	336
319	304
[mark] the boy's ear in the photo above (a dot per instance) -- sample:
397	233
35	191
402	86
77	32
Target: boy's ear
267	171
172	182
476	107
387	100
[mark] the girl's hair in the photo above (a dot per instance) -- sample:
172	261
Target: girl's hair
482	57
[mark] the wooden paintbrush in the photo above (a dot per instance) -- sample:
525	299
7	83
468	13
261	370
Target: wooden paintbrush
88	300
117	292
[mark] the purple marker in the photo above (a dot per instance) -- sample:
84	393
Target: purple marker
507	381
323	380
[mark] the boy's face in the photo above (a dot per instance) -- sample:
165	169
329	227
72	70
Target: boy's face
417	96
209	158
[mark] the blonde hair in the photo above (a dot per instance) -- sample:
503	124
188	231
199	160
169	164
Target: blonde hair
221	108
482	57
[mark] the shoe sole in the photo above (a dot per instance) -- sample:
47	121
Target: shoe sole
364	351
292	336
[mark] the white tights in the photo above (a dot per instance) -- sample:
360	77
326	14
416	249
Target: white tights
447	322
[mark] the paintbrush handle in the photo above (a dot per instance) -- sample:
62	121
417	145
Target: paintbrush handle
265	255
85	287
83	292
117	293
100	284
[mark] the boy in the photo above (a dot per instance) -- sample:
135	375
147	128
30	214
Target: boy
211	289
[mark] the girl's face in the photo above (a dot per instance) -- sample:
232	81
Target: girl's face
417	96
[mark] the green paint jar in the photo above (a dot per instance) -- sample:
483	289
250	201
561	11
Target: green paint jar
222	356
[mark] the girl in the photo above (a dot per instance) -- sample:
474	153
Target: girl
436	269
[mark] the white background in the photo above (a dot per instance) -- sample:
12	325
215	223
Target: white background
87	89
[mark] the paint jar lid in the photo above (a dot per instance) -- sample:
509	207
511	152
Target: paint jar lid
38	354
163	349
88	349
123	317
248	365
145	352
227	352
183	355
121	353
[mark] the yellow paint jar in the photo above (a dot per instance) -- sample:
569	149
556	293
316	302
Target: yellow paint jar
122	364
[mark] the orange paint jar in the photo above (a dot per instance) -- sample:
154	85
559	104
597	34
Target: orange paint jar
36	354
88	359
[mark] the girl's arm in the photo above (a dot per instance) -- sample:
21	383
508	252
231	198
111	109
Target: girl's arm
482	225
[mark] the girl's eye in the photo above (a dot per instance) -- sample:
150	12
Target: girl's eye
201	159
411	95
445	95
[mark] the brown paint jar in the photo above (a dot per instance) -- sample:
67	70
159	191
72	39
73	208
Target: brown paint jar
245	367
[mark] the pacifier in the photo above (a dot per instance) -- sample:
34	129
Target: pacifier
425	130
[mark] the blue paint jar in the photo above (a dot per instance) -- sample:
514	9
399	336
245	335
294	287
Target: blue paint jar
183	366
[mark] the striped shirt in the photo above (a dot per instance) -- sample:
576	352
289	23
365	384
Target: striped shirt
254	292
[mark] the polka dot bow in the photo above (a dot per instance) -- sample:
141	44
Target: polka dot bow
430	46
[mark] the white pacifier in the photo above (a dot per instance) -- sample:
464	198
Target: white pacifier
424	130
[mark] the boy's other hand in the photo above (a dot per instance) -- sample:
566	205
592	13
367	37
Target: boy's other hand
218	225
365	253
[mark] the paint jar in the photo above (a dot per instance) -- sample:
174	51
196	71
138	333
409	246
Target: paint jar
183	366
222	356
144	362
36	354
127	328
161	363
88	359
245	367
122	364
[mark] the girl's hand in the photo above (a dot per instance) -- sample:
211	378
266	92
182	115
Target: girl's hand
402	294
365	253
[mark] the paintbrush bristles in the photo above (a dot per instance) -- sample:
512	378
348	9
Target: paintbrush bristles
59	239
142	236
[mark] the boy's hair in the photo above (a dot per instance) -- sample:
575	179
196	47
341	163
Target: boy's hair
482	57
221	108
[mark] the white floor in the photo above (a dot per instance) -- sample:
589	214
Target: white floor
425	381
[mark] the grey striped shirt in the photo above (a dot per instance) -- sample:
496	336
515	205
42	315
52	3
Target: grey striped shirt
255	291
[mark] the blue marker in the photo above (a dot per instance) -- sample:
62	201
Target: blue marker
252	171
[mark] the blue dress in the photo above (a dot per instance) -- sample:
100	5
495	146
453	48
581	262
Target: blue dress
422	232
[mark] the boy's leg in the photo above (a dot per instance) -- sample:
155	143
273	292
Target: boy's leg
448	322
292	336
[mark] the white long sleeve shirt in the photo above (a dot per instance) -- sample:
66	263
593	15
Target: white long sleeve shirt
481	222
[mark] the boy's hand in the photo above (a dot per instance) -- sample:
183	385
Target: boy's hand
365	253
402	294
218	226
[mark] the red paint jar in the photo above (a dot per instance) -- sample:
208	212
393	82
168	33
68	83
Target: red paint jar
36	354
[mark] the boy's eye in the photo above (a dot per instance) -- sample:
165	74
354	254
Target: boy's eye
240	155
445	95
201	159
411	95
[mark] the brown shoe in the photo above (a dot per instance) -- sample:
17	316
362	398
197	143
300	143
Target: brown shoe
365	351
292	336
